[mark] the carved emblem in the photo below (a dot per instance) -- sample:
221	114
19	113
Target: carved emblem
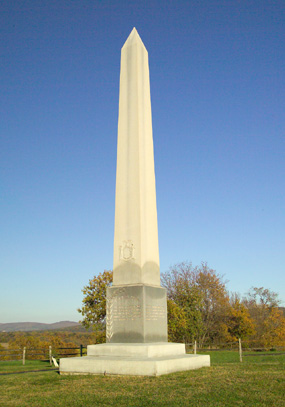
127	250
109	321
110	313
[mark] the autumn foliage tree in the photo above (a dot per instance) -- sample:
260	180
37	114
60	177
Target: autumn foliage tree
269	321
38	343
184	300
239	322
274	329
93	307
199	308
200	297
214	306
177	322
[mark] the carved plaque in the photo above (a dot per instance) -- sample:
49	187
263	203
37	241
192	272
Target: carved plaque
155	312
127	250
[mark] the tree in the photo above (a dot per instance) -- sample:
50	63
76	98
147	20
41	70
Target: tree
215	304
37	343
262	305
274	329
261	297
199	308
201	294
184	299
94	303
177	322
239	324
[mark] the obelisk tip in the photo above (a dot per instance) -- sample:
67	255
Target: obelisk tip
133	38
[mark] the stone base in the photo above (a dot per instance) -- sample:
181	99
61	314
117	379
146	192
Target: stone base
136	314
152	359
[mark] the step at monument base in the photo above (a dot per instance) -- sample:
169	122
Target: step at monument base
153	359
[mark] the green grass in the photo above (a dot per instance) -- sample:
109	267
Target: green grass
258	381
17	366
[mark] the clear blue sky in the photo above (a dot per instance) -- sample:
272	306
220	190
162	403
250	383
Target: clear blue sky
217	86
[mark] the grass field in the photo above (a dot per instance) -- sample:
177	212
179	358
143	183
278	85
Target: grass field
258	381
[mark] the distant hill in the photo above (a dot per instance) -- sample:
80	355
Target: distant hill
37	326
74	328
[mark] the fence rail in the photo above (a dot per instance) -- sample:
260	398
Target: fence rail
56	352
46	353
237	346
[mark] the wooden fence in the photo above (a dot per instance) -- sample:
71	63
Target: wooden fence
41	353
50	353
238	346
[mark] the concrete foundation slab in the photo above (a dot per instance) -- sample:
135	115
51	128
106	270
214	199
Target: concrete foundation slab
152	350
115	365
134	359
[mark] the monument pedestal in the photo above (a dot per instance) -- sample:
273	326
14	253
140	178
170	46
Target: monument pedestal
136	314
140	359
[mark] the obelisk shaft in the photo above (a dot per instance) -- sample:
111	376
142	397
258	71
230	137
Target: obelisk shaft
136	255
136	303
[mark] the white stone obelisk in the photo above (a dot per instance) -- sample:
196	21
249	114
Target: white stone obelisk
136	255
136	326
136	303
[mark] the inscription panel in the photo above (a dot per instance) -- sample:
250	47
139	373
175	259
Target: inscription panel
127	312
125	307
155	312
136	314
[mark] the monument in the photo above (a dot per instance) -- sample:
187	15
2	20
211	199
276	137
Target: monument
136	325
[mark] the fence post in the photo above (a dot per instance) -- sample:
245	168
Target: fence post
240	349
50	355
81	350
24	355
195	348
